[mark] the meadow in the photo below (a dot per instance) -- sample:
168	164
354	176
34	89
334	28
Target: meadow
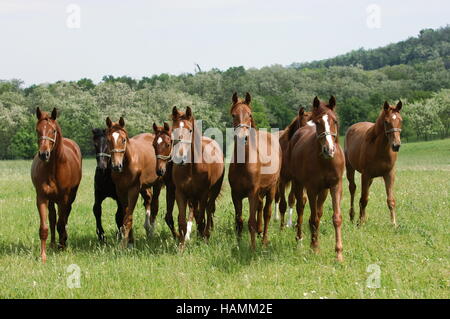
413	259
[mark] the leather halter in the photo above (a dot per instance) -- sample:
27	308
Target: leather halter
324	134
392	130
47	138
103	155
120	150
242	125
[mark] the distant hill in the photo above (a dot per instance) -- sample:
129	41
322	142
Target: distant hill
428	45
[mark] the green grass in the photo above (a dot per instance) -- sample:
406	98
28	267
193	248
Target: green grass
414	259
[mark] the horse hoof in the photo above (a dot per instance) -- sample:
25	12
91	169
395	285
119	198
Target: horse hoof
61	246
340	258
299	238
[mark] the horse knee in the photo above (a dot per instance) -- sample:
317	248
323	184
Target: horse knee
391	203
337	220
363	202
43	232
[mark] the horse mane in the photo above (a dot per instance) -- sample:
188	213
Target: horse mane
97	132
292	128
375	130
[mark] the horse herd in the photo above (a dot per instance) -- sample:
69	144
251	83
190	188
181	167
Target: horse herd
306	155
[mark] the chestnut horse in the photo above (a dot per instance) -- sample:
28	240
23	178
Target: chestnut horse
103	184
285	179
56	175
371	149
198	170
163	149
317	164
133	162
255	174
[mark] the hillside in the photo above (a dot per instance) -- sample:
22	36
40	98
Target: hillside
428	45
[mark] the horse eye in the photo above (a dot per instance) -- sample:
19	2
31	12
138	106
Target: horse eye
123	140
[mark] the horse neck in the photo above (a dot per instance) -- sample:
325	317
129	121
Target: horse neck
378	136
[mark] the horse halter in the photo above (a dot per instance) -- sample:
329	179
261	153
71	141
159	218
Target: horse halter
242	125
47	138
392	130
324	134
119	150
103	155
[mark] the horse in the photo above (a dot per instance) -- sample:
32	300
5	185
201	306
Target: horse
198	171
316	162
285	179
254	175
103	184
133	162
56	175
163	146
371	149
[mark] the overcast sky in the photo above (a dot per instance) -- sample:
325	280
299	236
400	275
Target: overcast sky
40	40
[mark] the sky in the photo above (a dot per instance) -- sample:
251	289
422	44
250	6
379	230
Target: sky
49	40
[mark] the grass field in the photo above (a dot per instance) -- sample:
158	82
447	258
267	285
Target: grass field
413	259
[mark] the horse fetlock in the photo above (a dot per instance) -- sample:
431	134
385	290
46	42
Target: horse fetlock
43	233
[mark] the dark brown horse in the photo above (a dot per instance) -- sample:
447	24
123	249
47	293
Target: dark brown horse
254	170
56	175
198	170
133	163
371	149
103	184
317	164
285	178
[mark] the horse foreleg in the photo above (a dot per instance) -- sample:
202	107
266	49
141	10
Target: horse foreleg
259	219
43	227
147	195
313	220
352	188
63	216
336	195
267	214
154	205
291	202
297	189
97	209
389	184
170	201
366	181
252	225
182	226
127	227
237	202
119	215
52	218
277	201
283	204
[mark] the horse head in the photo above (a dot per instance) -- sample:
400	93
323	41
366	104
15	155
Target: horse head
101	148
183	129
117	138
327	130
241	113
163	147
392	121
47	131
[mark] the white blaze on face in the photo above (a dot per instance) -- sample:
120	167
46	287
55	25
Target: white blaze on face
327	130
159	141
394	117
311	123
115	136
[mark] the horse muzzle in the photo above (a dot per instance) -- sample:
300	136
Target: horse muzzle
396	147
117	168
44	156
328	153
160	172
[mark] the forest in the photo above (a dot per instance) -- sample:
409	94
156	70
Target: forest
416	70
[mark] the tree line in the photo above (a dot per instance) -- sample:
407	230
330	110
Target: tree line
277	93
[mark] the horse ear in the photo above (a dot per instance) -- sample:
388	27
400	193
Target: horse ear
316	102
108	122
38	113
301	111
174	113
54	114
166	127
122	122
332	102
386	106
188	112
155	128
248	98
399	106
235	98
